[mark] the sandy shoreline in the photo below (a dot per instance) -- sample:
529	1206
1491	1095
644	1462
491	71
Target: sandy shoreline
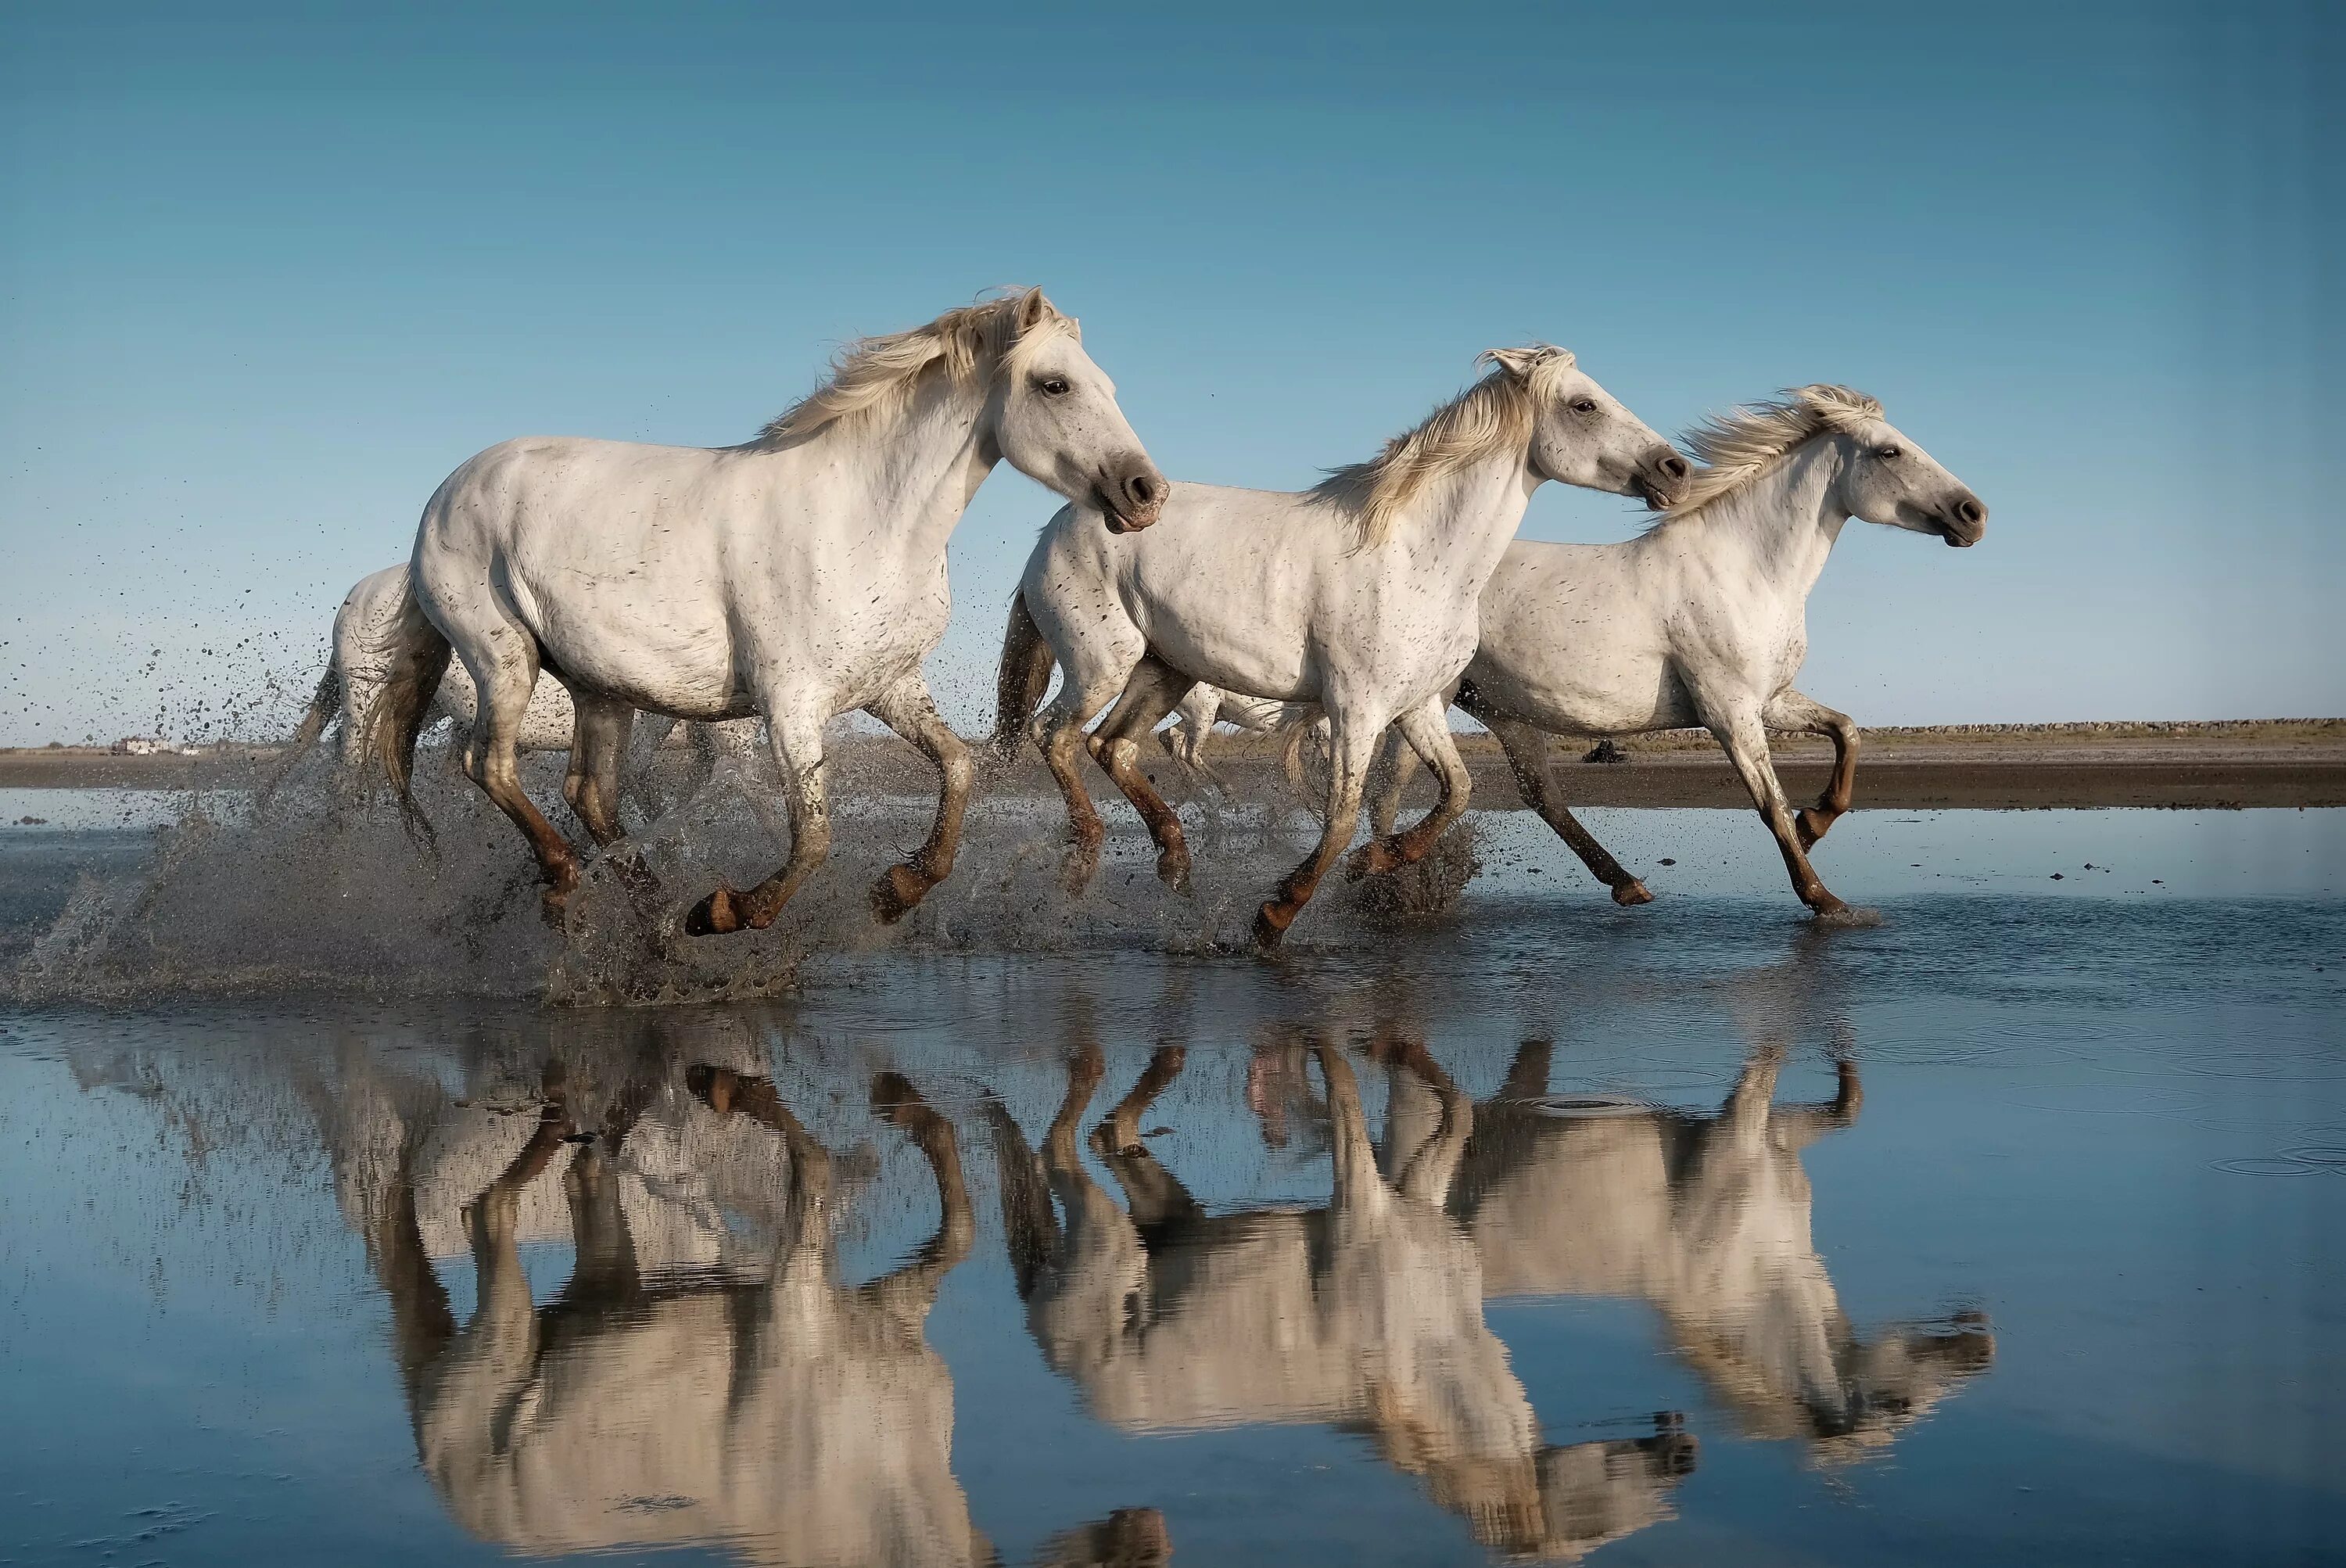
2296	763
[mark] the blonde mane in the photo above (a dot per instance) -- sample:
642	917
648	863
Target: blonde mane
1493	416
1739	446
878	376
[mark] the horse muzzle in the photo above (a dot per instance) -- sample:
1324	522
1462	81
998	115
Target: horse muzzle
1965	523
1131	498
1662	481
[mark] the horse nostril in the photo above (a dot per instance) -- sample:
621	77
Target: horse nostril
1143	488
1970	511
1674	466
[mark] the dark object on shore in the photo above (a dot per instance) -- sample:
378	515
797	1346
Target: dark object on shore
1605	751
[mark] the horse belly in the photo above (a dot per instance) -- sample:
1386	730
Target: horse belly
1253	645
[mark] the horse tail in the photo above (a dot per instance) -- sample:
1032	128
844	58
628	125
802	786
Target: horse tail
415	656
1027	661
324	703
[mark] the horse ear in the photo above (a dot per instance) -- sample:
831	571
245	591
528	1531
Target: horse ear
1033	310
1520	362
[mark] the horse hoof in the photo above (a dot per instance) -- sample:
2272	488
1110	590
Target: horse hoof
1811	824
1374	857
1076	874
1839	916
715	915
1270	923
553	905
1631	893
1173	870
899	889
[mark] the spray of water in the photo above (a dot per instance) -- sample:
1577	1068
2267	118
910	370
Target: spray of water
317	889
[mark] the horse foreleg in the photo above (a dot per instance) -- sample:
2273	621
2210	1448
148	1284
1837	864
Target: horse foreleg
1792	711
1348	765
1148	695
1388	778
598	744
1745	740
907	708
797	736
1426	728
1526	749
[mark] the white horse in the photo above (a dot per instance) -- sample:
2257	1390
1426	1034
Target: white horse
1358	594
1702	618
796	577
358	664
1205	706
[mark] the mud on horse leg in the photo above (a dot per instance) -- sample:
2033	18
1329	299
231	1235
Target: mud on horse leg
799	754
1149	694
907	708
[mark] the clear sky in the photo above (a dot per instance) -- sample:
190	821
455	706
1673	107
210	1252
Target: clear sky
268	274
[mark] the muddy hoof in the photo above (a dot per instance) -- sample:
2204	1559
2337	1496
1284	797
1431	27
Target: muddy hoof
1173	870
1631	893
1076	872
897	892
1373	859
1809	824
1270	923
553	905
719	914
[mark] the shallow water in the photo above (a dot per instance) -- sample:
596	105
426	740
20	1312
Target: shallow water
2005	1229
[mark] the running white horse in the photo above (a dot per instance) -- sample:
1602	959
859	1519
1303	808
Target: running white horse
1702	620
796	577
1359	594
357	665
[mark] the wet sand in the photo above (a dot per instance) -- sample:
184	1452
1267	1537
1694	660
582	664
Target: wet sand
2297	763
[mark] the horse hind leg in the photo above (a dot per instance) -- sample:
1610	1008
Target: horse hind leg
908	710
1793	711
1148	695
493	762
1526	749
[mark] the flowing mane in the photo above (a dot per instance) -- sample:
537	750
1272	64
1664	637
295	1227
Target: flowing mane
1739	446
1493	414
879	375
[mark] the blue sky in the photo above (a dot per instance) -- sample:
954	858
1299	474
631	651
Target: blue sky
267	275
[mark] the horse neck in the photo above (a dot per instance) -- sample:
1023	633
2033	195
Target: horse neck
1782	525
909	474
1464	525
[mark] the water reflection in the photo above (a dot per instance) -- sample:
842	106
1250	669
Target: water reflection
687	1382
1707	1219
704	1373
1366	1313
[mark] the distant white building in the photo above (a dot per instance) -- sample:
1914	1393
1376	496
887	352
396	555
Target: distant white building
147	746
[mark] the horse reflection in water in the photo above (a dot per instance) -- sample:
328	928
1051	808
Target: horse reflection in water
1367	1314
758	1400
1706	1217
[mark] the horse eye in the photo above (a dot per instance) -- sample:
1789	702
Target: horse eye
1584	405
1054	386
1888	453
